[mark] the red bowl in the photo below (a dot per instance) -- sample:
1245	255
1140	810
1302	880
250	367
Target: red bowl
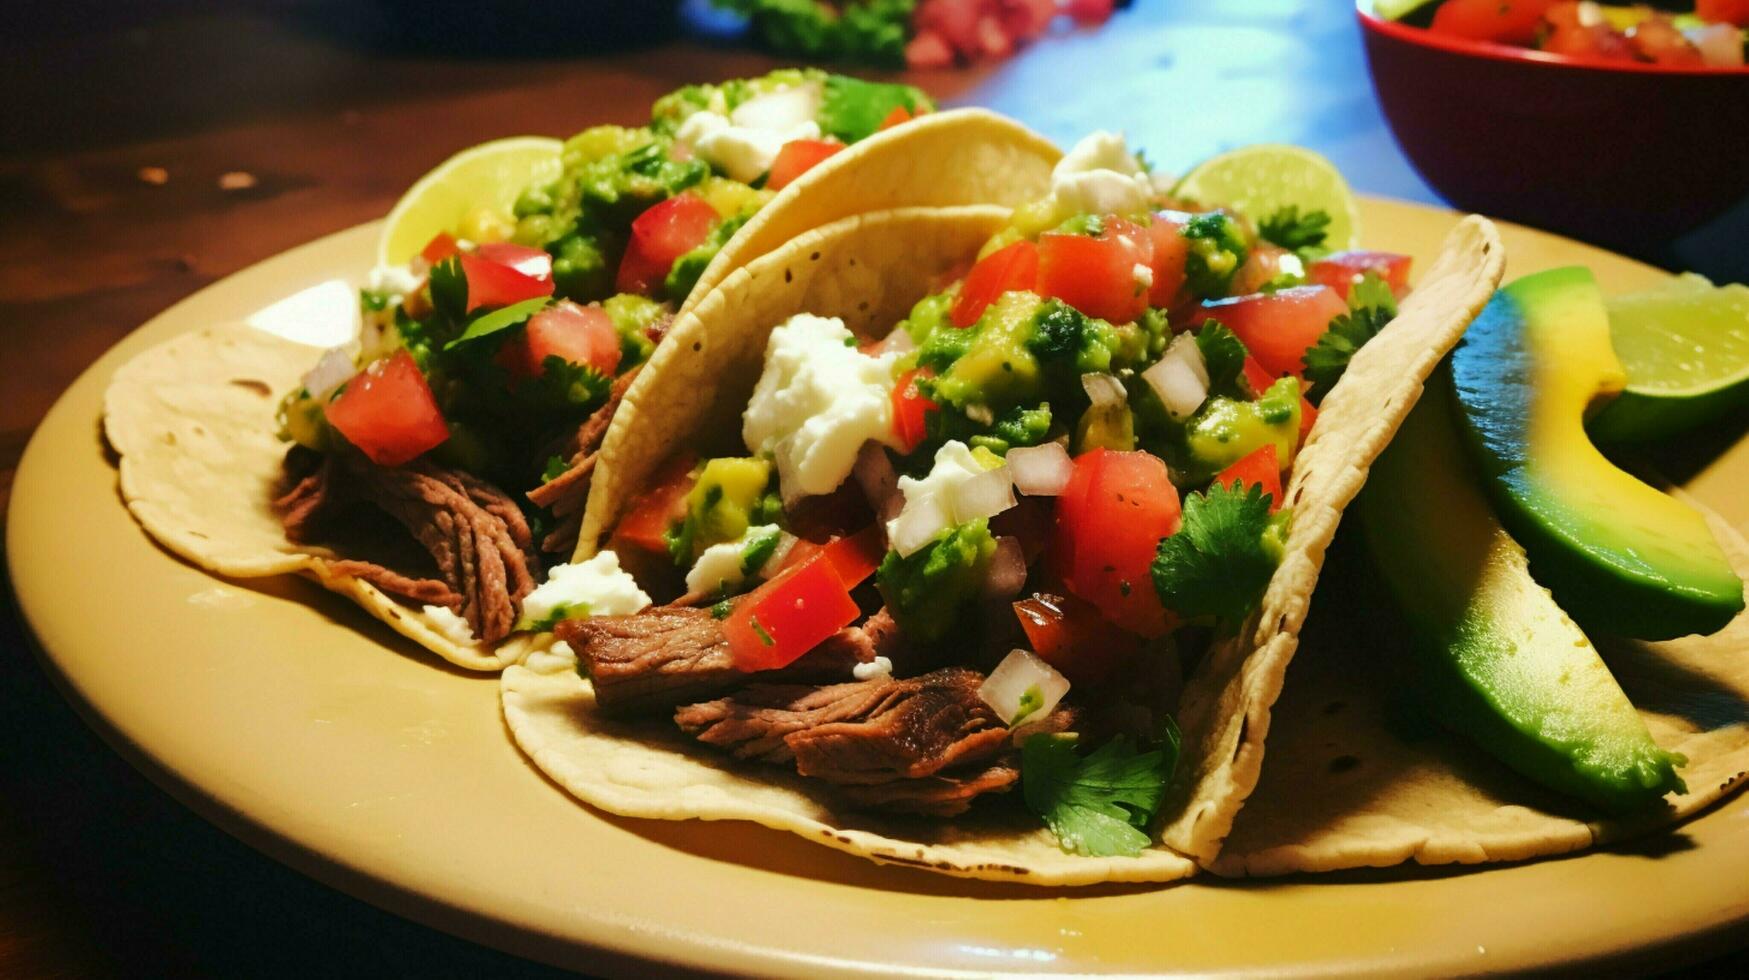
1626	155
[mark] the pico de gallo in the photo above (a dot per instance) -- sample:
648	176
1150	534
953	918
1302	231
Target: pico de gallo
1709	35
490	352
1064	468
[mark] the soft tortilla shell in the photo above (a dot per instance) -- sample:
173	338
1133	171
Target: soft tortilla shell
1345	788
649	769
1225	713
193	422
943	159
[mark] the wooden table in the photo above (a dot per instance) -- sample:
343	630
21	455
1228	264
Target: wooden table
146	152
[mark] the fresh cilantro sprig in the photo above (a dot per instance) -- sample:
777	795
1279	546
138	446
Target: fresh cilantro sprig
1371	306
1223	355
1291	230
1220	560
1101	804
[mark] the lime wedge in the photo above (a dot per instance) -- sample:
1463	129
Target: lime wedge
479	182
1258	181
1685	346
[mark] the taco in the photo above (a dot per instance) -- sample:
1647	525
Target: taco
984	542
439	463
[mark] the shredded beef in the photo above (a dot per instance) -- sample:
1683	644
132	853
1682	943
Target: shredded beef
941	795
474	532
566	493
671	655
864	732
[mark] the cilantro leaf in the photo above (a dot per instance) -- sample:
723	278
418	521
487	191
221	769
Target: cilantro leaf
449	288
1221	558
502	318
1101	804
852	109
1370	307
1223	355
556	467
1292	230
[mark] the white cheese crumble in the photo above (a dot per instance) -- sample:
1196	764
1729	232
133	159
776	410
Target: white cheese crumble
397	279
720	566
744	143
1099	176
1144	276
817	401
449	626
878	667
597	587
954	465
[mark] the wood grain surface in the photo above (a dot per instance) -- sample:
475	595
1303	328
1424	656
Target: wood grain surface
147	150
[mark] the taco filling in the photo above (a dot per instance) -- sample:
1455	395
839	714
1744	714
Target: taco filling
980	552
470	409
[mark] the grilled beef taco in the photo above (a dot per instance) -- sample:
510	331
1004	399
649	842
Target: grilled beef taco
439	463
984	541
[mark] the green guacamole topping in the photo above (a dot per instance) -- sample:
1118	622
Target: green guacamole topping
721	506
927	591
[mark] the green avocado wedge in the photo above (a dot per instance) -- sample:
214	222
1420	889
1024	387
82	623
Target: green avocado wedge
1620	556
1493	657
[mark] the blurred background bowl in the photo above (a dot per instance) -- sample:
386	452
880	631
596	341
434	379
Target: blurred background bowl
1628	156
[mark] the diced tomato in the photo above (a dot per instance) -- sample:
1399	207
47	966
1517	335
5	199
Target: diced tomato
1505	21
788	616
574	334
491	284
1071	635
911	410
1025	20
388	412
439	248
1723	11
1010	268
1171	249
1110	521
1278	327
1657	39
1098	275
1257	467
1308	418
929	49
532	262
854	557
1591	42
1341	270
664	232
1257	379
1262	264
900	114
659	508
796	158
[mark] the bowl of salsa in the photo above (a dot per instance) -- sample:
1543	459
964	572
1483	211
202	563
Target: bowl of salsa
1589	120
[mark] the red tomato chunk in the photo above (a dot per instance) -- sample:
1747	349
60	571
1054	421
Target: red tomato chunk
664	232
388	412
1111	519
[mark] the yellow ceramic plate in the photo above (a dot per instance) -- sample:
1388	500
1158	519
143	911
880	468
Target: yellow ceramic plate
294	721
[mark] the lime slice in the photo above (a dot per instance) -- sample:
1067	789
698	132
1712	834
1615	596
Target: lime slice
1685	346
479	182
1258	181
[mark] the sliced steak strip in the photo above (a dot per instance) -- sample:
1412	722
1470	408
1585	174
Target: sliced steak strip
474	532
864	732
941	795
672	655
566	493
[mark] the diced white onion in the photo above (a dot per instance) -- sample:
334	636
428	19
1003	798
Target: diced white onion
1181	379
878	667
897	342
1040	471
1007	574
785	542
1021	673
918	525
334	369
879	481
780	110
1103	390
985	495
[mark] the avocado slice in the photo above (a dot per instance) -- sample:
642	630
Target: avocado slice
1493	657
1620	556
